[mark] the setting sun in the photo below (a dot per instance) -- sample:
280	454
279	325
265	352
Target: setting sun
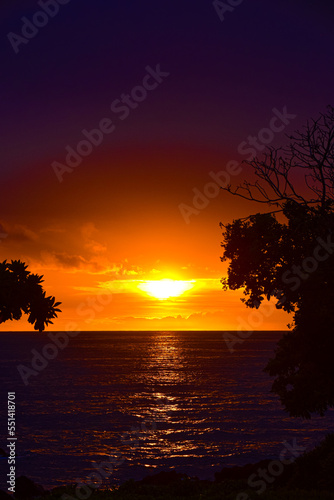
163	289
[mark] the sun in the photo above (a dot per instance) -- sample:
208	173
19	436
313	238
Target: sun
166	288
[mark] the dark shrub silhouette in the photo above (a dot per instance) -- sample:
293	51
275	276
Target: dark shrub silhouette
291	260
22	292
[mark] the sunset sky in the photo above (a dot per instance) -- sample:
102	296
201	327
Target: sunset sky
177	92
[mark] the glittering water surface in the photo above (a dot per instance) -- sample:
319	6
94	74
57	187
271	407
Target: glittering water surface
148	399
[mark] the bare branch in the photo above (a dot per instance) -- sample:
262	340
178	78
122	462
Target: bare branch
309	157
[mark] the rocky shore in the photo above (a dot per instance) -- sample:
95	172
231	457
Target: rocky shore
308	477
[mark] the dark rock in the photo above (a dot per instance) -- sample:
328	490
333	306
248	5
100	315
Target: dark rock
26	488
240	473
314	470
164	478
4	496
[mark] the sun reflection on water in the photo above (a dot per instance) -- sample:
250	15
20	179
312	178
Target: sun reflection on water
166	359
165	368
165	352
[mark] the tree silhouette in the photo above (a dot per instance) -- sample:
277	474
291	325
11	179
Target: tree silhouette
291	259
22	292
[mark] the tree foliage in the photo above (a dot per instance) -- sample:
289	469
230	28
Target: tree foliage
22	292
291	260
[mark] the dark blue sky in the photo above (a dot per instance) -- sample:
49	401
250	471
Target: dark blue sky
225	77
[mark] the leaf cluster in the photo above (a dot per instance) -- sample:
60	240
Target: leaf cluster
21	292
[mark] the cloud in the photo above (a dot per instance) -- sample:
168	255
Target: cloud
69	261
92	264
18	233
55	228
87	230
200	316
90	243
3	234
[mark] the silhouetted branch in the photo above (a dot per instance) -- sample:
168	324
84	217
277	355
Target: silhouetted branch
21	292
309	155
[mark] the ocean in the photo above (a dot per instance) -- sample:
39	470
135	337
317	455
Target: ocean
146	400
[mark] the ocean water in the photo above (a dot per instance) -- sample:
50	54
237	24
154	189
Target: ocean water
150	400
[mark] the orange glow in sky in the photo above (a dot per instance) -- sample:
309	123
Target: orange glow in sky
166	288
111	177
110	273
